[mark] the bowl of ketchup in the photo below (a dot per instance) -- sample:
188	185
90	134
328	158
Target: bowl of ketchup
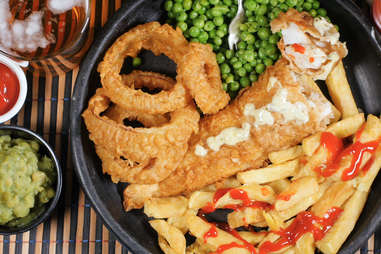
13	88
377	13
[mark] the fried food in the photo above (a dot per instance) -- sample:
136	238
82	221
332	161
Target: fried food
162	39
201	75
138	155
311	45
278	111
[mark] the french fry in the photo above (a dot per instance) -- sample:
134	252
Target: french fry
268	174
365	181
199	199
298	190
286	155
280	185
305	244
180	222
340	91
161	208
339	232
198	227
230	182
273	220
172	238
341	129
254	192
252	237
372	129
318	158
245	216
271	237
334	196
164	245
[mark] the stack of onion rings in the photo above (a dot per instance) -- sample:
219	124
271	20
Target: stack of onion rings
149	154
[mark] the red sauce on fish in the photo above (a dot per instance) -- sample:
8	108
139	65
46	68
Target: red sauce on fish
299	48
304	222
356	150
9	89
312	59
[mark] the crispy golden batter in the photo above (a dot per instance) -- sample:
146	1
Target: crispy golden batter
153	152
195	171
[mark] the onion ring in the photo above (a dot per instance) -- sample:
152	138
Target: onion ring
159	149
201	75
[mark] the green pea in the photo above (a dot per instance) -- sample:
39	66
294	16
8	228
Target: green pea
291	3
225	68
257	44
182	16
299	8
249	56
263	33
216	12
260	68
283	7
313	13
209	14
198	22
307	6
182	25
241	45
217	41
316	4
196	6
245	82
244	35
251	19
261	10
209	26
214	2
243	27
220	33
136	61
337	27
233	60
193	15
195	40
234	86
272	15
203	37
248	67
322	12
228	2
212	34
171	15
261	20
177	7
225	86
241	55
241	72
204	3
273	39
250	46
274	3
229	54
265	44
194	31
187	4
250	5
168	5
270	50
224	28
229	78
218	21
237	65
262	53
253	77
277	11
202	10
268	62
274	56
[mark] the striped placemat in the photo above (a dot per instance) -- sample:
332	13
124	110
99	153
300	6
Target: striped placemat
74	227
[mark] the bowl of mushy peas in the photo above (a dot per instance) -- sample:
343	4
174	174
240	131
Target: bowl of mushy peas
30	180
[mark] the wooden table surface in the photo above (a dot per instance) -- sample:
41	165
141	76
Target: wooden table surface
74	227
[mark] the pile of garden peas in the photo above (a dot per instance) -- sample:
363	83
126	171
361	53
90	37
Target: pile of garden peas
207	21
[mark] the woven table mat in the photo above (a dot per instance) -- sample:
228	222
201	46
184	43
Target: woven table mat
74	227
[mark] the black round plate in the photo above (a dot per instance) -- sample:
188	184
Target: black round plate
363	65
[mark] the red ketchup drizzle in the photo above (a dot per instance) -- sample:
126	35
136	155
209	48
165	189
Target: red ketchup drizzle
299	48
212	232
237	194
337	153
9	89
285	197
303	223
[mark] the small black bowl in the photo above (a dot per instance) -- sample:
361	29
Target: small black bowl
45	149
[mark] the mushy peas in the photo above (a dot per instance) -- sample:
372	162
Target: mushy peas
26	180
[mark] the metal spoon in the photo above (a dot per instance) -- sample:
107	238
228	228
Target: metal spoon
233	38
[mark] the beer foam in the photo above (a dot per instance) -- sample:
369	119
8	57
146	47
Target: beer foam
21	35
60	6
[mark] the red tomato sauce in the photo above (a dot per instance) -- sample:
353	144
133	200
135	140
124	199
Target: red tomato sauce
337	153
299	48
237	194
9	89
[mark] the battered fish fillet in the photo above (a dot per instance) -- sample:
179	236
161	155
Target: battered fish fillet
276	112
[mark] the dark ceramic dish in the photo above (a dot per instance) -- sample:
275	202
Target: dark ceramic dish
363	65
45	149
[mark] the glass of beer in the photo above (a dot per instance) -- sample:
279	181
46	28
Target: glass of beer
49	34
